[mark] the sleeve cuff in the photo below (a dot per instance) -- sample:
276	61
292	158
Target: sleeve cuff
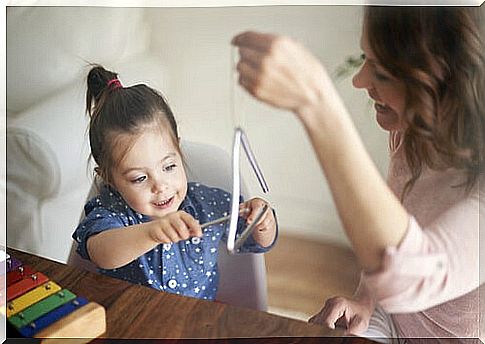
398	285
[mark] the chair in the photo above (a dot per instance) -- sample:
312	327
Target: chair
46	179
242	277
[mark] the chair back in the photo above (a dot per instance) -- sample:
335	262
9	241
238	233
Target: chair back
242	277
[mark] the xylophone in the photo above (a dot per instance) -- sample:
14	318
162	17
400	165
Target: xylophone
39	308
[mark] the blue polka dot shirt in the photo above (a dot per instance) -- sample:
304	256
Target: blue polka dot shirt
188	267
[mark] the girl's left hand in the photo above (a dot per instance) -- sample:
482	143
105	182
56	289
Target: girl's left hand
265	230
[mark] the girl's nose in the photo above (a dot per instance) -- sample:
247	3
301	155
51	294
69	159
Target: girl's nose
361	78
159	186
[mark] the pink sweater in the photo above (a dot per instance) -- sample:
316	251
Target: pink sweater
429	282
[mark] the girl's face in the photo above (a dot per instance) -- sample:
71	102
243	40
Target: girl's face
387	92
150	175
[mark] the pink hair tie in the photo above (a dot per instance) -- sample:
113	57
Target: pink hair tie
115	82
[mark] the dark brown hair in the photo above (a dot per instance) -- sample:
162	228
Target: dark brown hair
115	110
438	53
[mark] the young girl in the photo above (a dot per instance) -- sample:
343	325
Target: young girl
144	226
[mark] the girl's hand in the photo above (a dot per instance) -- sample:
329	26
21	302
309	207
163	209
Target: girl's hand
175	227
279	71
265	230
350	314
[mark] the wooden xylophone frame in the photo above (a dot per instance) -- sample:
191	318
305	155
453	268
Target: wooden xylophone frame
39	308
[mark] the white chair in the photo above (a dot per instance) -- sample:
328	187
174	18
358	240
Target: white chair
242	276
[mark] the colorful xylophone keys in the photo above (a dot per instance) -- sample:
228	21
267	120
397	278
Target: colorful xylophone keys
40	308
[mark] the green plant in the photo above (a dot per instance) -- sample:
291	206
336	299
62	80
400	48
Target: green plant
348	67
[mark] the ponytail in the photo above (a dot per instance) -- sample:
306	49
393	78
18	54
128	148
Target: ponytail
99	80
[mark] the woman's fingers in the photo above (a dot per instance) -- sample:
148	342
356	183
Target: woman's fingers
251	57
332	311
254	40
322	318
341	312
281	72
357	325
316	319
251	79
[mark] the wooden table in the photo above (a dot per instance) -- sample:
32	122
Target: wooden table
134	311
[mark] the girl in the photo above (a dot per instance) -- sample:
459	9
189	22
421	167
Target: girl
144	225
416	238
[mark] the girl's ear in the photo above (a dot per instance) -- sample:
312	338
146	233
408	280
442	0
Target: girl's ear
98	174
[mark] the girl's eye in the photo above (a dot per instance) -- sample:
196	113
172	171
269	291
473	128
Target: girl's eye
169	168
139	179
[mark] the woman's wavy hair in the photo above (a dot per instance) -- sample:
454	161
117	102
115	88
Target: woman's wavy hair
115	110
438	53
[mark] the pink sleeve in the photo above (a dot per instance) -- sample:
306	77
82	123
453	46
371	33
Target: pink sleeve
431	265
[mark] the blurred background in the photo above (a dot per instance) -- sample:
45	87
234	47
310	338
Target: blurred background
186	54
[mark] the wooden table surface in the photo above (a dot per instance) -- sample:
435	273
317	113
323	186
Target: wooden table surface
134	311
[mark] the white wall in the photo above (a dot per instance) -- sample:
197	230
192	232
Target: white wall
186	53
48	48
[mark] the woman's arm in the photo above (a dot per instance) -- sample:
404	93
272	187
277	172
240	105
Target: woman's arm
282	73
372	216
433	264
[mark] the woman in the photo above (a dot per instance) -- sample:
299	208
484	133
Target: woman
416	236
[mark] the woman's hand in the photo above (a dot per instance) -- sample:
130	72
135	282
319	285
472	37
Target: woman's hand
175	227
265	230
353	315
280	71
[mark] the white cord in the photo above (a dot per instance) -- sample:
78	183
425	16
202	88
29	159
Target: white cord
235	98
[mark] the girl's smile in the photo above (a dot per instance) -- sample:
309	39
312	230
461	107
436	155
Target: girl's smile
164	204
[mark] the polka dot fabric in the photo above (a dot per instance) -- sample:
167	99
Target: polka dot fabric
187	267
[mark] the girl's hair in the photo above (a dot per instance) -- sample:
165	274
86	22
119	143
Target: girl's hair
115	110
438	53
